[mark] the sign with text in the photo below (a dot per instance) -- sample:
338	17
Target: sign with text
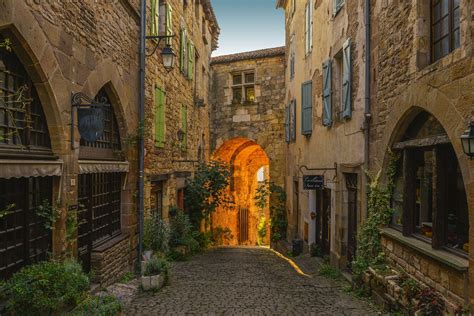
313	182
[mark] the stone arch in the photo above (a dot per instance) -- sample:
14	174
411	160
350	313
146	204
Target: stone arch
41	65
106	75
245	157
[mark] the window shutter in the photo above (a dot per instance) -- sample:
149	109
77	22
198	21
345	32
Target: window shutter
287	123
184	126
327	91
190	60
155	12
169	23
182	50
306	109
346	80
293	119
159	118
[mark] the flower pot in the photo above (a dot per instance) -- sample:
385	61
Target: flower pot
152	282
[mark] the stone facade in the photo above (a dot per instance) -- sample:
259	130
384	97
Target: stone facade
74	47
169	166
248	134
336	149
406	82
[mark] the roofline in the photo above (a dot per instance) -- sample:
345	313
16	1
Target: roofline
264	53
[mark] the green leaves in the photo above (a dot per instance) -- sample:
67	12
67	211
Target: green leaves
274	196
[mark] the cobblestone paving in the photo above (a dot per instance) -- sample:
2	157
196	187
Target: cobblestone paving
245	281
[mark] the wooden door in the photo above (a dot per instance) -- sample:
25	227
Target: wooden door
351	186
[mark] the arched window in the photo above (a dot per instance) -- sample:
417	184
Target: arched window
23	127
429	197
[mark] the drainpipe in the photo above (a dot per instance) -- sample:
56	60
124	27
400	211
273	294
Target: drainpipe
141	143
367	113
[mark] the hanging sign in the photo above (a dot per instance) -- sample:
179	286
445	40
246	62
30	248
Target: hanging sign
91	123
313	182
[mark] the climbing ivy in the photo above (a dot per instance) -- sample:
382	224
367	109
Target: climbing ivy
269	192
379	212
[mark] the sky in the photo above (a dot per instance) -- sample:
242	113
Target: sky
248	25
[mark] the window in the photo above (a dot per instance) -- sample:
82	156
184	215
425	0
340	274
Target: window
190	74
292	57
342	77
156	198
290	122
23	125
261	175
428	179
159	118
166	23
184	127
243	87
306	108
24	239
337	6
327	92
183	52
308	31
108	145
445	27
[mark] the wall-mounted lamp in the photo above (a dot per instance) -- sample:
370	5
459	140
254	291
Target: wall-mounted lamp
467	140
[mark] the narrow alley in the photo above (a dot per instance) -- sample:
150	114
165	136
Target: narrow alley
246	281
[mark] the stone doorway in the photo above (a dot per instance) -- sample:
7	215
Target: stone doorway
249	166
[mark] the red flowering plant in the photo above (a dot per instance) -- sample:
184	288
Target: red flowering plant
430	302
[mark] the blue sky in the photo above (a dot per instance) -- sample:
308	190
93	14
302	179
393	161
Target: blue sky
248	25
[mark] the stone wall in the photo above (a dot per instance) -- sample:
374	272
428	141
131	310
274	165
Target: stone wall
405	82
171	161
74	46
110	261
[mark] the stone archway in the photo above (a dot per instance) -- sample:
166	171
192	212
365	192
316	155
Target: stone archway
249	164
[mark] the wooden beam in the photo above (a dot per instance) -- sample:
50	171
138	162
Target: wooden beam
422	142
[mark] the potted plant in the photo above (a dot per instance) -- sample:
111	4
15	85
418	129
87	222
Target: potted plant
155	273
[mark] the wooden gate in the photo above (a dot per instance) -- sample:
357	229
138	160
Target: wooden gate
243	225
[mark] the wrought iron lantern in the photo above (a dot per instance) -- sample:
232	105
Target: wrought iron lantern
467	140
168	56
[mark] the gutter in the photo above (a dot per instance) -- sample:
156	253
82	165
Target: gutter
141	142
367	107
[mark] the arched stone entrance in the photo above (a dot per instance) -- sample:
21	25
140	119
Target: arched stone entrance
249	164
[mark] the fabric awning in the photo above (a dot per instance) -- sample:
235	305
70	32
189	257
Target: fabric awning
97	166
12	168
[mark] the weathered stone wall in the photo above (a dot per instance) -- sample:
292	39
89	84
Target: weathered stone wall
80	46
171	161
404	82
110	261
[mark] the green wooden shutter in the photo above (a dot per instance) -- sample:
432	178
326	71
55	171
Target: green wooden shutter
306	108
159	118
190	60
154	15
182	50
287	123
327	106
169	22
184	126
346	80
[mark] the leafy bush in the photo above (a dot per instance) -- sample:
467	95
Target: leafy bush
261	230
181	228
46	287
156	235
156	265
221	236
430	303
274	195
203	238
105	305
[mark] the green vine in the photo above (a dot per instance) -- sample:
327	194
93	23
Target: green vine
273	194
49	213
379	212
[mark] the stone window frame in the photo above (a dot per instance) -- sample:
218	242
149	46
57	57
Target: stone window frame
452	28
243	86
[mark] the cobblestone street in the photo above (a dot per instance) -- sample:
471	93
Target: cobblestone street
245	281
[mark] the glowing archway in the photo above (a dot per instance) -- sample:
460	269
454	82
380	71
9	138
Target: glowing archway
245	158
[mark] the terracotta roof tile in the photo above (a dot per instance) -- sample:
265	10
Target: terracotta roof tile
261	53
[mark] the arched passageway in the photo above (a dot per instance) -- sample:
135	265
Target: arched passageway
249	166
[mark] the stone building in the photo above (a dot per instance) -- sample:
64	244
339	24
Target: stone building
247	112
324	120
47	160
177	100
422	102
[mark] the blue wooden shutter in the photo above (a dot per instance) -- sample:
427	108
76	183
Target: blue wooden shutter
287	124
327	106
293	119
346	80
306	108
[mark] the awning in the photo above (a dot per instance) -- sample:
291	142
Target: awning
12	168
97	166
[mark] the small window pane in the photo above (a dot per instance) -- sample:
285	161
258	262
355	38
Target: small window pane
237	79
423	194
249	78
445	46
437	12
237	95
437	31
437	51
249	94
444	7
457	38
445	26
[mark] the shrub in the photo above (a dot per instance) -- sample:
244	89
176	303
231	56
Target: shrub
105	305
46	287
328	271
430	303
156	235
156	265
181	228
203	238
261	230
